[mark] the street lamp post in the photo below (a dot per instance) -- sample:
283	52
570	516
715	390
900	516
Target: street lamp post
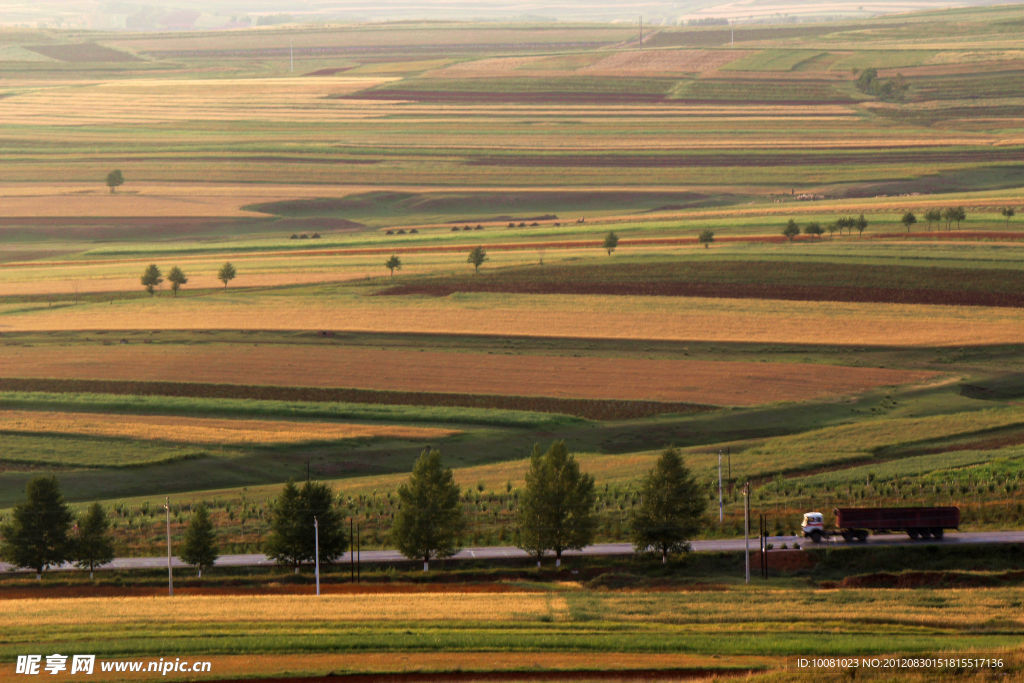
170	574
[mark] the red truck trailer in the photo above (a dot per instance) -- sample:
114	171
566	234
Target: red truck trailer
854	524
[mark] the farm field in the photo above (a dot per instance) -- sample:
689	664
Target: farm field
638	292
573	631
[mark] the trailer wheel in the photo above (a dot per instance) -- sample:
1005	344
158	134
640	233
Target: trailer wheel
848	535
816	536
862	535
913	533
937	533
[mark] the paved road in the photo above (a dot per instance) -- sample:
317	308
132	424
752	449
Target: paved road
501	552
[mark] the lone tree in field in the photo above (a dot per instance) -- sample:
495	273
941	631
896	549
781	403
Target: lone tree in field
394	263
177	278
706	237
292	539
200	546
429	521
226	274
932	216
611	240
93	546
814	230
477	256
556	509
908	219
1008	213
671	507
36	536
151	278
791	230
115	179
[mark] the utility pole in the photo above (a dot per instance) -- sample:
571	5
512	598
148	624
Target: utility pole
721	514
746	528
316	552
170	575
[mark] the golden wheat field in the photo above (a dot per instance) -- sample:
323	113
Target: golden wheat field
693	381
361	607
203	430
601	317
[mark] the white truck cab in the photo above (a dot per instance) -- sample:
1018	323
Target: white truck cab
813	526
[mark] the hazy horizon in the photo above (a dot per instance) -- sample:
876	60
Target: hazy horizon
185	15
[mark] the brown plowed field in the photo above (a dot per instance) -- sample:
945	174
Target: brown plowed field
691	381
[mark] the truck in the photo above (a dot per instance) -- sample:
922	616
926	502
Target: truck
854	524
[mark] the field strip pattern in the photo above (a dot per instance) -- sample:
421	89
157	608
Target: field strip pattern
595	316
669	380
202	430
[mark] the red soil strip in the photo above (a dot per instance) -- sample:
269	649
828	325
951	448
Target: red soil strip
841	156
998	235
727	291
927	579
433	375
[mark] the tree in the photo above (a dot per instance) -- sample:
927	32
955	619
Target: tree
860	223
177	278
949	215
115	179
611	240
36	537
292	535
226	274
814	230
394	263
671	506
959	215
151	278
477	256
1008	213
791	230
932	216
832	227
200	546
908	219
429	521
94	545
556	510
706	237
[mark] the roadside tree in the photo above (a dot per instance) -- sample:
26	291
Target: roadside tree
814	230
908	220
36	536
151	278
429	521
932	216
556	509
177	278
200	546
791	230
1008	213
671	507
860	223
93	546
292	535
